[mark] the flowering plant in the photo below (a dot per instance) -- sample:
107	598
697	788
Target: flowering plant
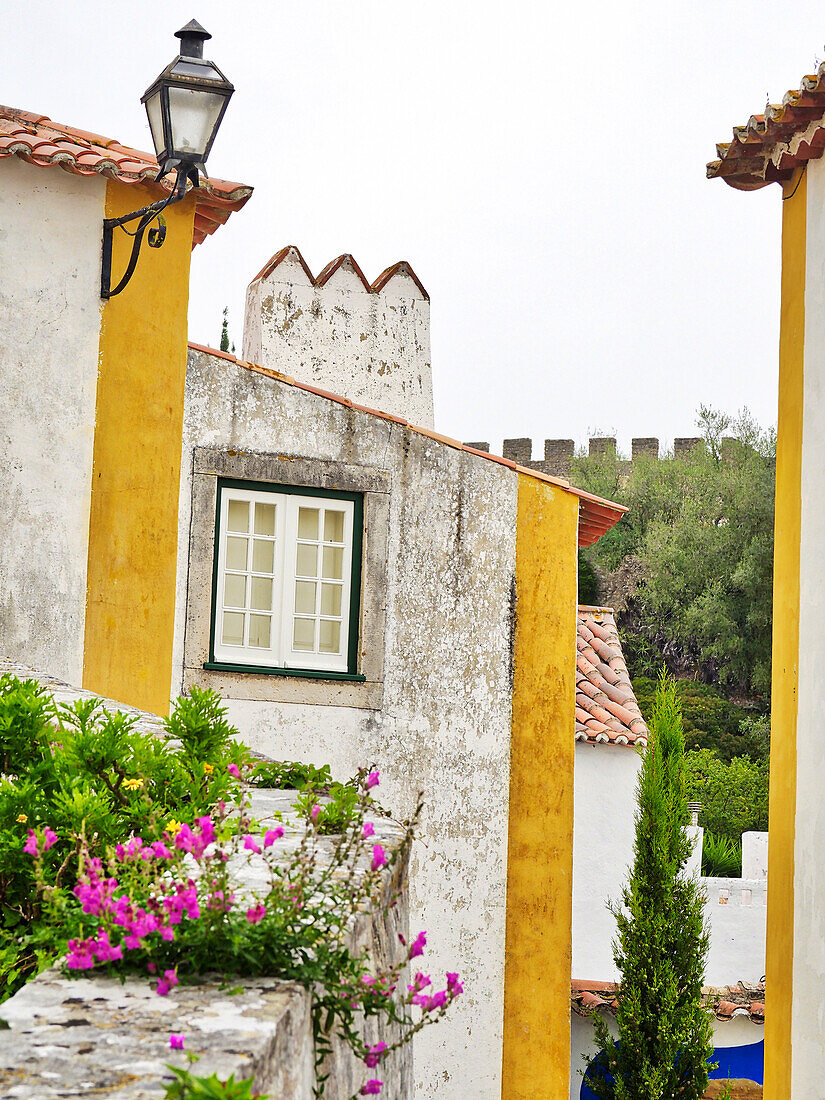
179	906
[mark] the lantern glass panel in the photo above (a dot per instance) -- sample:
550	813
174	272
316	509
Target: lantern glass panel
155	113
194	116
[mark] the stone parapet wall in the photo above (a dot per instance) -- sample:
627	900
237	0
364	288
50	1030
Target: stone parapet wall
559	453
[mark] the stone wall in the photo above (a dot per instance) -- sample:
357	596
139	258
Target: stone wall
559	453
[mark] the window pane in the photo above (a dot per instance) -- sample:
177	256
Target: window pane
259	631
330	599
261	594
232	628
307	560
333	562
330	637
234	592
303	635
305	597
238	517
235	552
263	556
307	523
264	519
334	526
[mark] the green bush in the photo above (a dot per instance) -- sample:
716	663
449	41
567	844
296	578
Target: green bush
289	775
734	795
721	856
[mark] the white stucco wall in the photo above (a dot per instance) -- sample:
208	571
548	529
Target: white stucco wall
808	1019
50	241
444	724
755	855
604	808
373	348
735	910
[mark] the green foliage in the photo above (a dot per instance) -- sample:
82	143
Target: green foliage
734	795
709	720
588	582
290	775
225	330
665	1033
334	814
188	1087
699	534
721	856
89	774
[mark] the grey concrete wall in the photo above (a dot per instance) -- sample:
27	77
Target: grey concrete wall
443	721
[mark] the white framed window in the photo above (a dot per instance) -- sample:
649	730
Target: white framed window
286	578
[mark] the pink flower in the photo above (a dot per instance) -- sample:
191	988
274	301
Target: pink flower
379	858
418	945
419	982
49	838
165	983
256	913
176	1042
233	770
251	846
373	779
372	1088
30	847
369	830
313	813
272	835
373	1055
454	986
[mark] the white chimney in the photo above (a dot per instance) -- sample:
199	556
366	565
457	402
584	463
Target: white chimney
369	343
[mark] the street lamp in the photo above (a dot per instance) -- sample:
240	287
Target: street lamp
185	105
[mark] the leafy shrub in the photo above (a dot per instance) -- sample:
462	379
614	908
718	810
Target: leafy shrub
721	856
734	795
710	720
289	775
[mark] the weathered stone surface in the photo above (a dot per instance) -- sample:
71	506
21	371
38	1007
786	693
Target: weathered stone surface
738	1090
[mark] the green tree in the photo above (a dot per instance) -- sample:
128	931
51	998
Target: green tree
700	536
225	330
664	1030
734	796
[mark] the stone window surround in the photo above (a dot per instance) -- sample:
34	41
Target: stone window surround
209	464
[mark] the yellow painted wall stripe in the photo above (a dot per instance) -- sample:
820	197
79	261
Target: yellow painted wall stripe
133	527
538	948
780	933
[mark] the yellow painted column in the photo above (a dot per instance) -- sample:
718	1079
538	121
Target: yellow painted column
780	933
538	948
133	527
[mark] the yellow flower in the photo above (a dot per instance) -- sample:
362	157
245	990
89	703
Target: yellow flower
22	819
132	784
208	769
173	826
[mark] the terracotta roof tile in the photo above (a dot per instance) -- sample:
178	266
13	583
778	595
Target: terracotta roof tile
726	1002
38	140
606	708
597	514
769	146
326	274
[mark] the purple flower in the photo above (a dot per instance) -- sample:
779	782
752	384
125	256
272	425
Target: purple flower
379	857
233	770
419	982
313	813
165	983
369	830
256	913
454	986
272	835
373	1055
418	945
372	1088
49	838
176	1042
251	846
30	847
373	779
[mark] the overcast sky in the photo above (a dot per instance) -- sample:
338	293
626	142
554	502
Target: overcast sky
541	165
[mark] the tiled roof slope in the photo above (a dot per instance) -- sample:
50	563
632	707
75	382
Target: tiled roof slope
38	140
401	266
727	1001
606	709
596	516
769	146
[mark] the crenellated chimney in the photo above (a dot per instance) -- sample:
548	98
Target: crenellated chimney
367	342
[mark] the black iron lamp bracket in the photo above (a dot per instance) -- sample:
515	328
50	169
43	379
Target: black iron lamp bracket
155	237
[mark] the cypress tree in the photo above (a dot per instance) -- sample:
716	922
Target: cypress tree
225	330
665	1032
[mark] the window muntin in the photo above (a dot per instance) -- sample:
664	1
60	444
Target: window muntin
284	579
